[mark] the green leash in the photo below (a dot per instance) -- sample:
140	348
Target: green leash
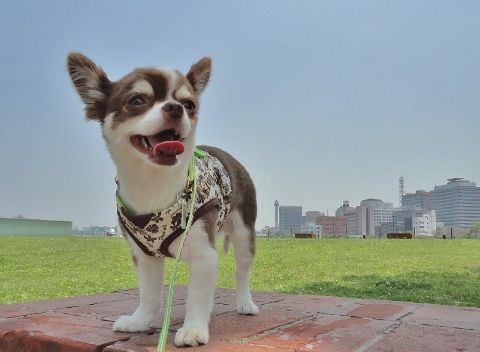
162	341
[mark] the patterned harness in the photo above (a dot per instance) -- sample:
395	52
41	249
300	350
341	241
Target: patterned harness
154	232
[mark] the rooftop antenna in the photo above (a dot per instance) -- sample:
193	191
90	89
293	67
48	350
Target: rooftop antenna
401	189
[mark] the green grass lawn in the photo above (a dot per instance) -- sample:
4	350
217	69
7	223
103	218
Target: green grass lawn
434	271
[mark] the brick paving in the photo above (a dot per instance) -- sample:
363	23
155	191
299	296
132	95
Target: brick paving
285	323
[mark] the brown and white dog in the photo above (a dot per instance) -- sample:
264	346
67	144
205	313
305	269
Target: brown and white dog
148	120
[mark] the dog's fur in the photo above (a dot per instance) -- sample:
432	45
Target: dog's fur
136	105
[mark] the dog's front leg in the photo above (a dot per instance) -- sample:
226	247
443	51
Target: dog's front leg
150	282
201	256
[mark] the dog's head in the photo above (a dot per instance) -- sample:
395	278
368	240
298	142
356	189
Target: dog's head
149	115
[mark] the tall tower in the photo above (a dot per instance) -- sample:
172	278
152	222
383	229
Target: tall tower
276	204
401	189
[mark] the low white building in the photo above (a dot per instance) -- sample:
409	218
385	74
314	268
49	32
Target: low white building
425	225
311	227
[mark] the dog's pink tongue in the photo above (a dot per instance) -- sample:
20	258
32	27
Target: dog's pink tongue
169	148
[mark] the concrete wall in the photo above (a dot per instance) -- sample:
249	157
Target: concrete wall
30	227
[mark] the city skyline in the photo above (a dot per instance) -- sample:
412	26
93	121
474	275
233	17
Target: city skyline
323	102
405	193
278	204
455	204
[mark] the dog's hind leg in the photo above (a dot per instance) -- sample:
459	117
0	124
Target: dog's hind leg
243	241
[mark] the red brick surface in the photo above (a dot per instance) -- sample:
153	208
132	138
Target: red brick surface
285	323
325	333
419	337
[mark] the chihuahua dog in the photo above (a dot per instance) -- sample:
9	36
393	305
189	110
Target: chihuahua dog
148	120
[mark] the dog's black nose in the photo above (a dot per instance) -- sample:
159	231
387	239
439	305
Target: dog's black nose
173	110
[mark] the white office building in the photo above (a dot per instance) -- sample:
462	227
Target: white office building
382	211
425	225
367	217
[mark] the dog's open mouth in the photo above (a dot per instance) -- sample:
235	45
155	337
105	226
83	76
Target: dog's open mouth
162	148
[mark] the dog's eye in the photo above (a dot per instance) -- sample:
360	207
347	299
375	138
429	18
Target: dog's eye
189	105
136	100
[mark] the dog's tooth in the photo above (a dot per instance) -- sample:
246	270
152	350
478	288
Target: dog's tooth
145	142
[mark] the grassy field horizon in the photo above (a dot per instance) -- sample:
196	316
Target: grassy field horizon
429	271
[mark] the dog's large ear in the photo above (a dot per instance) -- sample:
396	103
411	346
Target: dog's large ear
199	74
92	84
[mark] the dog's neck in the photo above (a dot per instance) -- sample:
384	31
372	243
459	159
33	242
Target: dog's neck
147	188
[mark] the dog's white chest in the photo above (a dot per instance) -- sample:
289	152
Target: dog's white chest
156	231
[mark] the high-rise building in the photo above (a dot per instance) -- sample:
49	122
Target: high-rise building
290	218
382	211
311	216
457	203
345	209
365	220
352	228
350	213
402	219
367	217
418	200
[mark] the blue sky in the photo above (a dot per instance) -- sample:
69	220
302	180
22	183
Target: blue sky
321	100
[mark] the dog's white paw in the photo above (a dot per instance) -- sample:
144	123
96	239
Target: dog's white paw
247	307
191	337
131	323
